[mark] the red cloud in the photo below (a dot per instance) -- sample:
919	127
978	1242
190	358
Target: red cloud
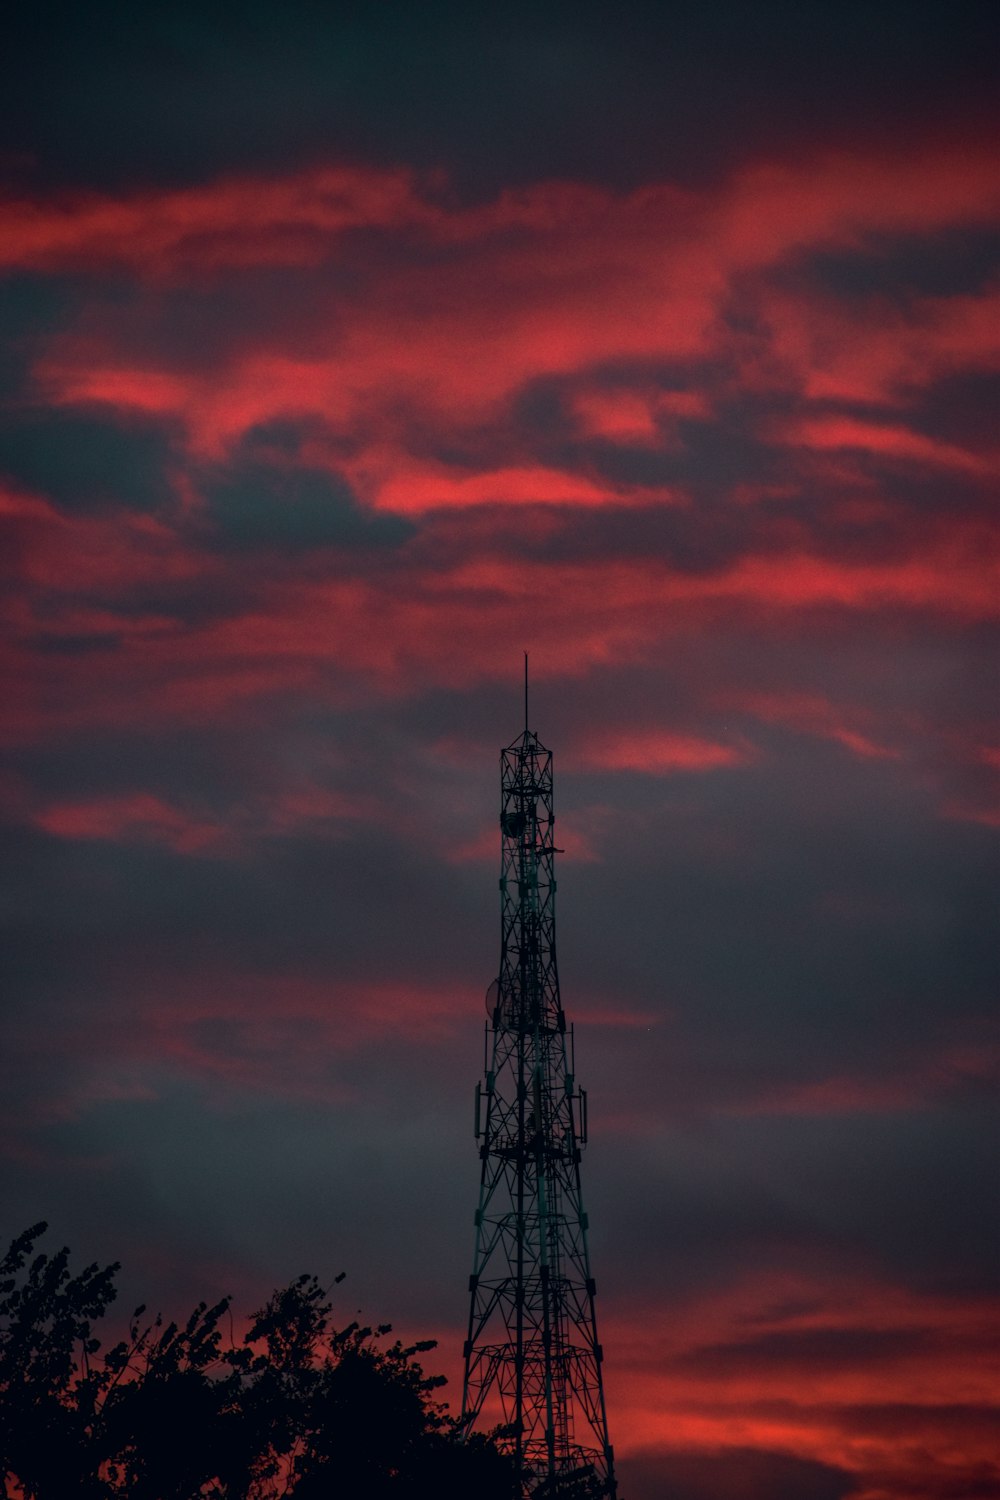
286	632
635	415
146	818
658	751
135	816
553	281
485	847
409	490
240	222
815	714
757	218
873	352
894	1389
889	442
862	1376
964	811
910	1086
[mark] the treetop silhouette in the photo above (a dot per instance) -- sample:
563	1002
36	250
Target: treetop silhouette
176	1411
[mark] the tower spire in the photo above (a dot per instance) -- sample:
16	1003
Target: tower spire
532	1357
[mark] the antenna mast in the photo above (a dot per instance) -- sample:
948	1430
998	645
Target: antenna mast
532	1357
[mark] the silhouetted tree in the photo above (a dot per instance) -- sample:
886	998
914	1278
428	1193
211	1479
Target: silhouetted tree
171	1413
48	1389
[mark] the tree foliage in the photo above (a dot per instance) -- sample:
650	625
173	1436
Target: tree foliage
175	1411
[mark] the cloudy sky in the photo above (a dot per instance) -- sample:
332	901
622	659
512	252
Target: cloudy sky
349	351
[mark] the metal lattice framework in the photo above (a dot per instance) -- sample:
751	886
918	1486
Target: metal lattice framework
532	1358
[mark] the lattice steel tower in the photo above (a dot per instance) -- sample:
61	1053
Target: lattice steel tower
532	1359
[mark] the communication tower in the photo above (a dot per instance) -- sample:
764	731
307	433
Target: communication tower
532	1357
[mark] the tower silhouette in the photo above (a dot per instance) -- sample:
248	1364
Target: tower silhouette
532	1358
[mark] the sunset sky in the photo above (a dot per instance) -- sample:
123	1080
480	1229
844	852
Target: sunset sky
349	351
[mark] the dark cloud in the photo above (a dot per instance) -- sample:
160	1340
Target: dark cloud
736	1474
960	408
900	269
31	308
806	1348
793	1192
87	463
255	506
530	93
